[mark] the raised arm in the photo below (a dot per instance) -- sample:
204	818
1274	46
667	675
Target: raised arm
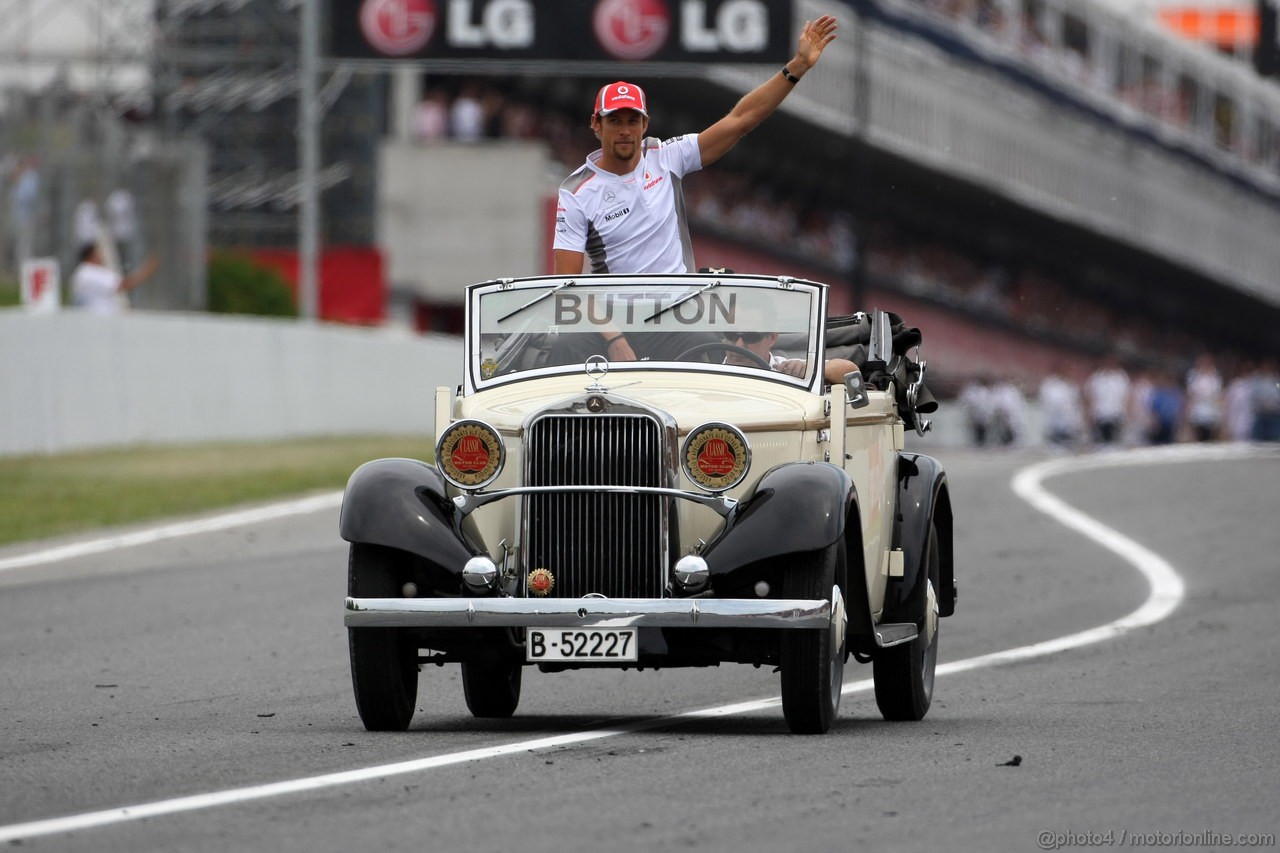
141	274
760	102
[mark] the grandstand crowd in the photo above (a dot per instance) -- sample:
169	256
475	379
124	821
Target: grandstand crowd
1066	46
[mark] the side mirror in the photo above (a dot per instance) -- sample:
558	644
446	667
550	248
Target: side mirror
856	390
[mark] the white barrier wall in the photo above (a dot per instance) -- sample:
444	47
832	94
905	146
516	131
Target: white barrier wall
72	380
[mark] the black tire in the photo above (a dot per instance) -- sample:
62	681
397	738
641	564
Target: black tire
384	662
492	689
812	659
904	674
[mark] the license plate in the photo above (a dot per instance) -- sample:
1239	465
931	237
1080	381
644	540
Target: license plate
581	644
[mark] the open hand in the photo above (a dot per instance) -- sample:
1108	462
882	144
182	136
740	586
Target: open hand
815	36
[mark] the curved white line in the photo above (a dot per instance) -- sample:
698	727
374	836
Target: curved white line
1166	592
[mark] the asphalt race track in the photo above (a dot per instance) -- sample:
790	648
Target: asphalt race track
192	694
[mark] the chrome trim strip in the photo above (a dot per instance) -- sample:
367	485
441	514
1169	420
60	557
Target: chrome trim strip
469	502
602	612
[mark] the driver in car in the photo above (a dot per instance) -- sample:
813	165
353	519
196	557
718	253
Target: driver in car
761	343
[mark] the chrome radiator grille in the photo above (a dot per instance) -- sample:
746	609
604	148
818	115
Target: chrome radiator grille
610	544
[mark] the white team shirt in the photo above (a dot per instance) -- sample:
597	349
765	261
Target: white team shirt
1060	405
95	287
1204	397
1108	390
631	223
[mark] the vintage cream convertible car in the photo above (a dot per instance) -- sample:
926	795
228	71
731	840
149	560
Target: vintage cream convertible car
715	500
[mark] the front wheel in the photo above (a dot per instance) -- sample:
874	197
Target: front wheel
904	674
492	689
384	661
813	658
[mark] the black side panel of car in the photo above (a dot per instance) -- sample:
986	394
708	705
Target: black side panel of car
401	503
923	497
799	506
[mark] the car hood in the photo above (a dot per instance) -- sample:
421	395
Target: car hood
692	399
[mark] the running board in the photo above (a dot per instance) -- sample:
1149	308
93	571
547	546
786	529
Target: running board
895	633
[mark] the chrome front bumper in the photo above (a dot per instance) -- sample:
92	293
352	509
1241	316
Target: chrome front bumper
601	612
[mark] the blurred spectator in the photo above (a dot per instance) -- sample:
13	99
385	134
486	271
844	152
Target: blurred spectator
23	196
1061	408
491	110
466	116
1266	402
1008	413
978	403
1107	395
100	289
431	116
1166	409
1140	419
122	216
1237	405
87	224
1204	398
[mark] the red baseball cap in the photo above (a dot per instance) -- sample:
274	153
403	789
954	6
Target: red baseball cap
621	96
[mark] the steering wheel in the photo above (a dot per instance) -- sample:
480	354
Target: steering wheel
724	346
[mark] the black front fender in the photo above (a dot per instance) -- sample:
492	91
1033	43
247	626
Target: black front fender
924	499
799	506
401	503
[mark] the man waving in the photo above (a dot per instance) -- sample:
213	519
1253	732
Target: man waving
623	209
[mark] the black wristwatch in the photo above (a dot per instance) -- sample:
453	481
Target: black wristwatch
791	78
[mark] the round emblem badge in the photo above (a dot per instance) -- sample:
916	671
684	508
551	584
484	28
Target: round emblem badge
471	453
716	458
488	368
541	581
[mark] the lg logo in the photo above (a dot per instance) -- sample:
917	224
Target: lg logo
740	26
503	24
632	29
403	27
398	27
638	29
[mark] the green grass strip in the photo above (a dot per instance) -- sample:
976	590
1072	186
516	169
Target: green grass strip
43	496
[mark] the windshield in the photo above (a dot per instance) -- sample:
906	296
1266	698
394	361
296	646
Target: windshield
733	324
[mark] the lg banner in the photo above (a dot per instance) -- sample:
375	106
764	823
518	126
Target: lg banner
626	30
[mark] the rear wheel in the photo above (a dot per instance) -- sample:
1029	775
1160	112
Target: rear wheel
813	659
904	674
384	661
492	689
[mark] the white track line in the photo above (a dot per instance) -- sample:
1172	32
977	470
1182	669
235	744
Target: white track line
299	506
1166	593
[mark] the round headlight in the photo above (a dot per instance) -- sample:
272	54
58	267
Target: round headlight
716	456
470	454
